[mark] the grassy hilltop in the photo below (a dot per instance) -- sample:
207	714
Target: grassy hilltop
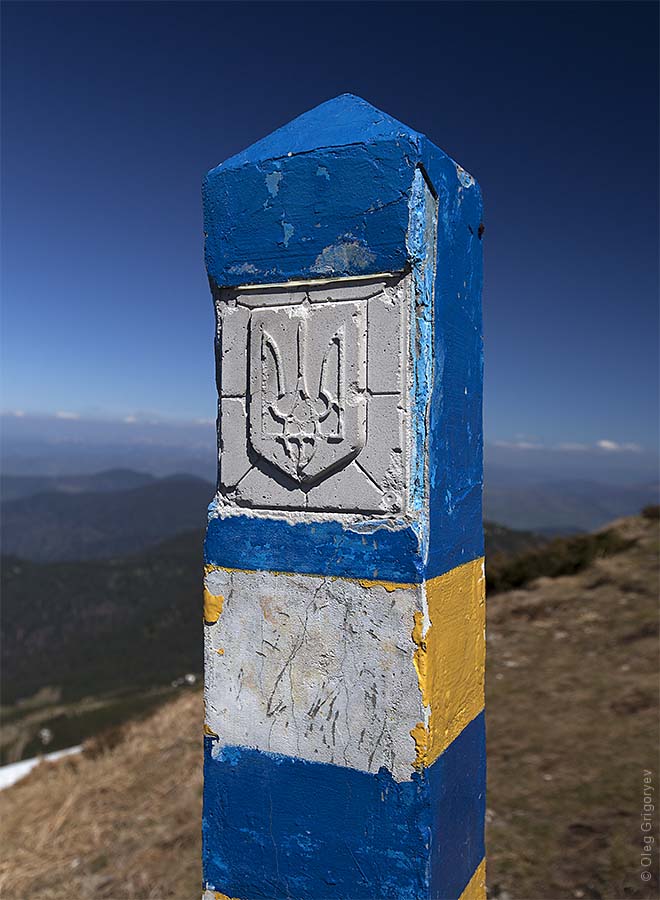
572	712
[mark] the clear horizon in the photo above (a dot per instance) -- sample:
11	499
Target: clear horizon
71	444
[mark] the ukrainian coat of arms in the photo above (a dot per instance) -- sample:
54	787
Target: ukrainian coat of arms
307	407
314	395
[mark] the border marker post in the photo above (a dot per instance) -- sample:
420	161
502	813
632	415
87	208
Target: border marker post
344	586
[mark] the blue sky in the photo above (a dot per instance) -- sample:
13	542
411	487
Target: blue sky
112	113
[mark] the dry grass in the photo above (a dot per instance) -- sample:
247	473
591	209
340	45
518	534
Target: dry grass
572	700
572	723
121	824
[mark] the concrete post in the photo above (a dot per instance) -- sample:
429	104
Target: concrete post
344	587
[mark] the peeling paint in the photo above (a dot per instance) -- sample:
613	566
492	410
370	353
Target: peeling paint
420	657
315	661
273	183
389	586
288	231
466	180
420	735
213	604
344	256
421	242
243	269
339	181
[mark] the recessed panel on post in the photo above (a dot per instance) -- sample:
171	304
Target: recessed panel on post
320	419
344	588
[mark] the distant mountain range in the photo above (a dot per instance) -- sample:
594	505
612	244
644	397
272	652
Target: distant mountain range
117	512
54	445
120	511
561	507
110	514
13	487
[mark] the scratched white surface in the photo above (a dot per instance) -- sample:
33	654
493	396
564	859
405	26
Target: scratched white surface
317	668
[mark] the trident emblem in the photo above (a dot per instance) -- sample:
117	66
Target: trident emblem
307	409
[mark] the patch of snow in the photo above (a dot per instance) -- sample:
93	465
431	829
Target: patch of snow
15	771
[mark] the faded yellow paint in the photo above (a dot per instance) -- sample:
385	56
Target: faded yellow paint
450	658
219	896
420	735
209	732
420	656
270	610
475	889
365	582
388	585
213	604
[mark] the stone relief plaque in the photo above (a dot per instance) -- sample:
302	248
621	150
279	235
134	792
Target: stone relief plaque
313	384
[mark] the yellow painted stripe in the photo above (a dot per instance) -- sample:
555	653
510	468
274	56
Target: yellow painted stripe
475	889
365	582
450	658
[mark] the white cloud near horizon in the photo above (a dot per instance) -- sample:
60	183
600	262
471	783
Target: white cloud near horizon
605	445
615	447
519	445
520	441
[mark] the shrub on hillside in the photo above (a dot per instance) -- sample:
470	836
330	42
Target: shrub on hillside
562	556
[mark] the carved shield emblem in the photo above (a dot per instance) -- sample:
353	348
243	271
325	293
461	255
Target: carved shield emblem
307	405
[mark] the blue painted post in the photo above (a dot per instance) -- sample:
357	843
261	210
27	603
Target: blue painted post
344	589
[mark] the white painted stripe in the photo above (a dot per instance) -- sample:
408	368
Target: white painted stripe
317	668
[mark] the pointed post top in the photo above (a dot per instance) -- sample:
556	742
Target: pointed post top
328	194
343	120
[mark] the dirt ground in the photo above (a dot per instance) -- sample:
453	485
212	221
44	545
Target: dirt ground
572	728
572	700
